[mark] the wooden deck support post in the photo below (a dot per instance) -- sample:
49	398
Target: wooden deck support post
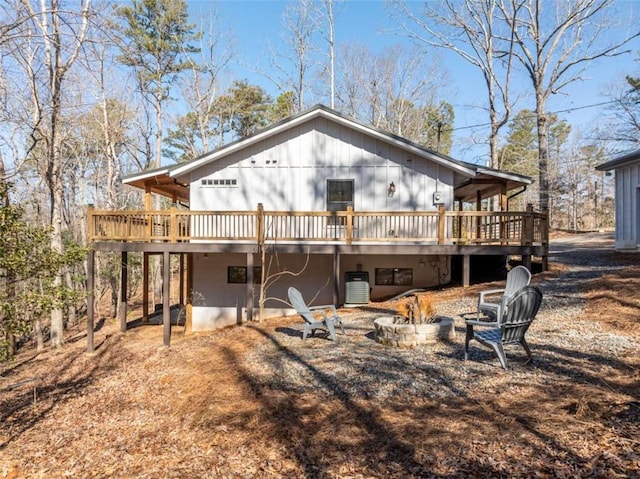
260	226
503	219
166	306
123	290
478	219
188	320
145	287
181	280
250	287
349	224
336	277
466	270
90	299
441	223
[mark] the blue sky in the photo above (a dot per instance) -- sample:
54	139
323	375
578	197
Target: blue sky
256	25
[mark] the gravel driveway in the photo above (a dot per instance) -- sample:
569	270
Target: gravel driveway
356	366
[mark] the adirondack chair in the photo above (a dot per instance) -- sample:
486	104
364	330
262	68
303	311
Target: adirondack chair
492	302
324	317
521	311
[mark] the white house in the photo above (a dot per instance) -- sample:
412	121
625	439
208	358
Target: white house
319	201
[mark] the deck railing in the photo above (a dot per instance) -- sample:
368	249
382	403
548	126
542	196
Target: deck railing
434	227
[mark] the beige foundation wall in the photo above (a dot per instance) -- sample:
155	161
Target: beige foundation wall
428	271
217	303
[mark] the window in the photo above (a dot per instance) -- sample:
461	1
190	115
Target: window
219	182
339	196
238	274
394	276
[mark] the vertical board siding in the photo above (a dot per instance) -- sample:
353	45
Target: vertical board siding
289	171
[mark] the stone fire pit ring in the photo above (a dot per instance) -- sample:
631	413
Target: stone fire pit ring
405	335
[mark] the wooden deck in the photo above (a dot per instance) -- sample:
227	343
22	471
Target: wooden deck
259	227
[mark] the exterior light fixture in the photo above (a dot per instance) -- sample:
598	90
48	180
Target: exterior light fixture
391	190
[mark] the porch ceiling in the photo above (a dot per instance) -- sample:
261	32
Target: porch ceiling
164	185
487	186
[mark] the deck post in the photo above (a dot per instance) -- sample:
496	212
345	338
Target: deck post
466	270
91	224
123	291
166	311
173	224
188	321
441	223
250	287
181	280
504	219
90	299
349	224
336	277
260	225
145	287
478	218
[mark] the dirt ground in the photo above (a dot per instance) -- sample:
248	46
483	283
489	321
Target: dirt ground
136	409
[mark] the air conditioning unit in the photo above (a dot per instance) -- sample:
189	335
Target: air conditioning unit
438	197
356	288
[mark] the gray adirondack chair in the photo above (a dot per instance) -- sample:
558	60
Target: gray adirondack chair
324	317
521	311
492	301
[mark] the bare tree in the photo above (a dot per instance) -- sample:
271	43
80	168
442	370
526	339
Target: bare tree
195	132
623	132
324	15
292	66
554	47
471	29
53	37
398	90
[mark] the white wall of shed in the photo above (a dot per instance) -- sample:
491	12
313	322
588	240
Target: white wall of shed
628	207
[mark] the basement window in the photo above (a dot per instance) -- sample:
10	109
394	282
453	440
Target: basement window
238	274
394	276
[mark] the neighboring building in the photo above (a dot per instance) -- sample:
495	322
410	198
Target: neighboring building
627	178
319	200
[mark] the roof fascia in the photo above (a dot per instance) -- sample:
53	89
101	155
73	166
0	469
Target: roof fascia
620	161
507	175
143	175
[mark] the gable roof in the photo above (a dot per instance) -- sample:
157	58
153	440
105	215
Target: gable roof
479	177
620	161
321	111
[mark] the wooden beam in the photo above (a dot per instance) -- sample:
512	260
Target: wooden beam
466	270
145	287
181	280
336	278
90	299
123	290
166	306
147	197
250	287
188	322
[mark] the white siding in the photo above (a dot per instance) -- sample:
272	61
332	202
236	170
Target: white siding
289	172
627	207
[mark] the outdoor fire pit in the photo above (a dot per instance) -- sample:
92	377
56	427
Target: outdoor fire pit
393	331
415	323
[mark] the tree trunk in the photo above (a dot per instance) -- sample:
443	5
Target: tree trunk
543	154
